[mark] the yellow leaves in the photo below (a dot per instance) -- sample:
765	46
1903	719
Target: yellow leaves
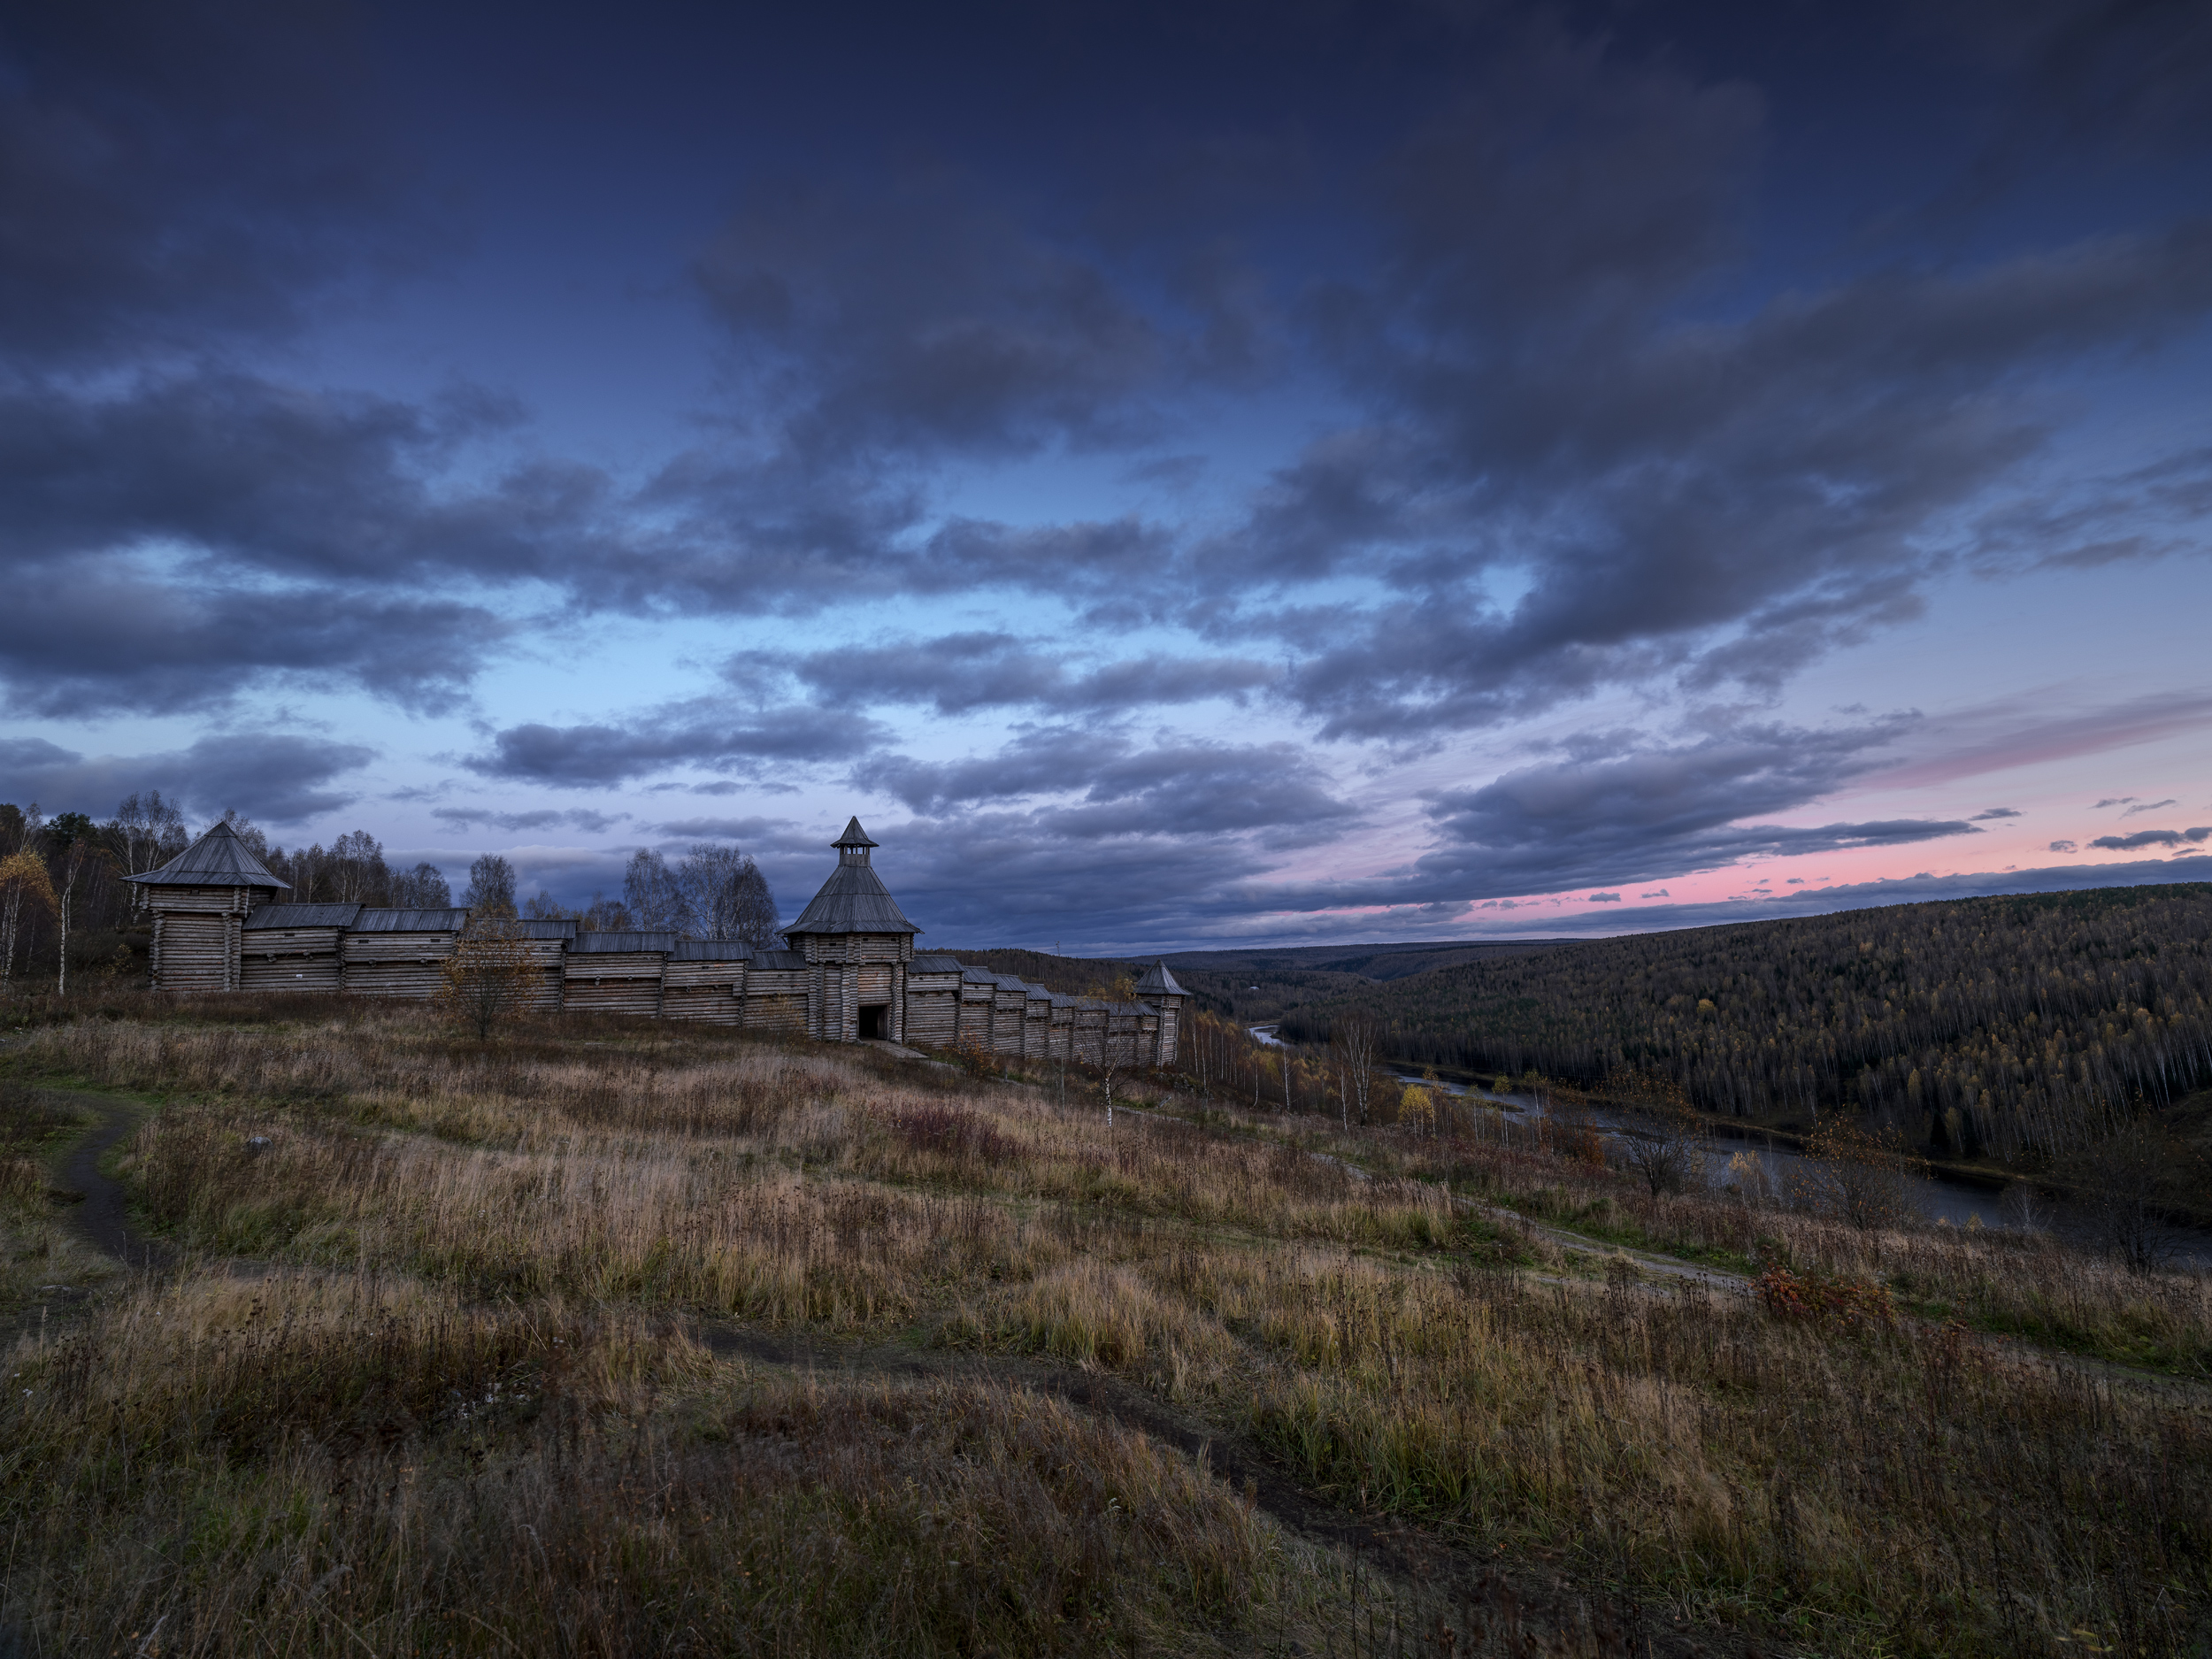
23	875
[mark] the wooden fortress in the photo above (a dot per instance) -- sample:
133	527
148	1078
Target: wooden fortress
850	972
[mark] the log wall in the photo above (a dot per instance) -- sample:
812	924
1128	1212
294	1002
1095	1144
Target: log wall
397	964
201	944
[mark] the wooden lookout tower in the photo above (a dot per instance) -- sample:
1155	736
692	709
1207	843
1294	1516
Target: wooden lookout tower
858	945
200	899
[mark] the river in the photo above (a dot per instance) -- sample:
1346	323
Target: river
1752	1161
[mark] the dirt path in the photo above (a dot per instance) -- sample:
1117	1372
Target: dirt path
104	1217
1440	1598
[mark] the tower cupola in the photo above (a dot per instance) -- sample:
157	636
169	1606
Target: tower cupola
853	845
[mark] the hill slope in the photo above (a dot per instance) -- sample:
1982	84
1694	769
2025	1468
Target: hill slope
2002	1025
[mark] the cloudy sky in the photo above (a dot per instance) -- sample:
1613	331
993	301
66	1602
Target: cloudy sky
1219	473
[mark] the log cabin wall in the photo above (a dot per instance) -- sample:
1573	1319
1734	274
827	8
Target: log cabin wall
294	947
704	979
545	949
1009	1007
399	953
776	993
978	991
933	1002
198	936
616	973
1089	1032
1037	1024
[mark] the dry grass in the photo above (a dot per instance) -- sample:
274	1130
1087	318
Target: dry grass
317	1463
1906	1488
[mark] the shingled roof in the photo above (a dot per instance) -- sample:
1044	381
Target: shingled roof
540	927
1158	981
218	859
621	944
380	921
273	916
853	900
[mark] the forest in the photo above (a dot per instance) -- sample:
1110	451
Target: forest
2003	1028
67	906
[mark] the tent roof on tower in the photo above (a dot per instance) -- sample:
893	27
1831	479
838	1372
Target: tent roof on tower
218	859
1158	981
853	900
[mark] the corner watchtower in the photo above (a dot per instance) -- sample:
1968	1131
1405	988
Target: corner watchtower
1159	990
857	943
200	899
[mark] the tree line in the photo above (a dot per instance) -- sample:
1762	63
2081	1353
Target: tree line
2036	1024
66	903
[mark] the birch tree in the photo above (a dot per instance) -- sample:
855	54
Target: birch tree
22	877
1355	1038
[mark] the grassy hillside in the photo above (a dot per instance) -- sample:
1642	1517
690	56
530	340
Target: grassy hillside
2003	1026
617	1338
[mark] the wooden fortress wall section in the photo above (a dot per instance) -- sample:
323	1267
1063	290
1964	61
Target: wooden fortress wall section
198	936
399	953
617	973
933	1002
704	980
776	988
294	947
230	939
545	952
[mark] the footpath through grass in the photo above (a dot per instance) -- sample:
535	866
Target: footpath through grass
465	1382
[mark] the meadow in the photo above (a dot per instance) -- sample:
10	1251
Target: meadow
604	1338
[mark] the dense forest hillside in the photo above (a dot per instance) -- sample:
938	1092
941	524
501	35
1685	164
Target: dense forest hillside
2002	1025
1369	960
1256	985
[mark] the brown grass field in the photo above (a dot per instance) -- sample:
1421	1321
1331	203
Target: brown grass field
609	1338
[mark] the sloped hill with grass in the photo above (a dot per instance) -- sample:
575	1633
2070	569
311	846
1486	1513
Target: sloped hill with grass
612	1337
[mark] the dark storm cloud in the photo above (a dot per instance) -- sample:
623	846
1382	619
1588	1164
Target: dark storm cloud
916	319
543	818
2078	76
1000	878
770	539
2150	838
2148	806
702	733
1655	813
98	634
1995	813
958	672
271	776
1169	788
237	472
754	834
1744	496
177	175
